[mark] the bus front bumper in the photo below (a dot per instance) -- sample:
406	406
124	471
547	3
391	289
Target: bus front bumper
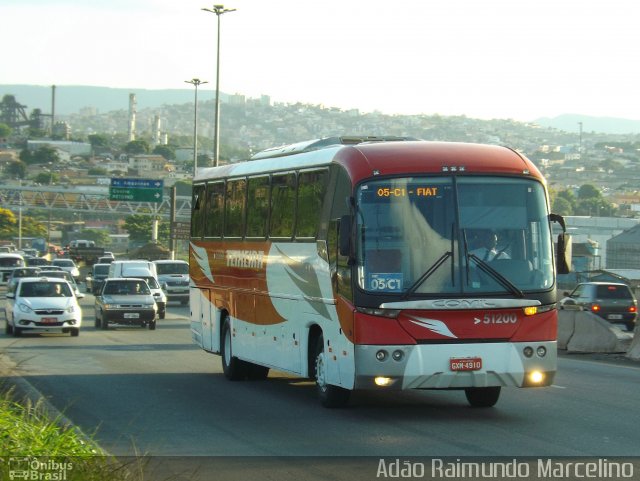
456	366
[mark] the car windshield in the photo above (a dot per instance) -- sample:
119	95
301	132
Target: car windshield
153	284
61	274
101	270
126	288
423	235
25	272
45	289
63	263
11	262
172	268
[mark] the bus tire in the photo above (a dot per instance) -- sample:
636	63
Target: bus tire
330	396
482	397
234	369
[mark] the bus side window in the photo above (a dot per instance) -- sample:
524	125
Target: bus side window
234	208
311	187
258	207
283	203
214	210
197	212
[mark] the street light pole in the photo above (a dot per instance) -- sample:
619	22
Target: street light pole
218	10
195	82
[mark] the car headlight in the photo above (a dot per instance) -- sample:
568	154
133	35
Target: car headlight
25	308
70	309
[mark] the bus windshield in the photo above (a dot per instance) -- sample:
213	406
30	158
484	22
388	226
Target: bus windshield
453	235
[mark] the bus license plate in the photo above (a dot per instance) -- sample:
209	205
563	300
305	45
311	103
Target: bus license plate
131	315
49	320
465	364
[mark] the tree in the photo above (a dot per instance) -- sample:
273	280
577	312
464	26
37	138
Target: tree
137	147
99	236
166	151
588	191
139	227
5	131
17	169
43	155
47	178
562	206
98	140
7	223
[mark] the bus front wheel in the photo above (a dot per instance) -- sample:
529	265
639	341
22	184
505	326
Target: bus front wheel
330	396
234	369
482	397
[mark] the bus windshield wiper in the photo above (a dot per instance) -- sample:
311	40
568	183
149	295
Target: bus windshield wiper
434	267
506	283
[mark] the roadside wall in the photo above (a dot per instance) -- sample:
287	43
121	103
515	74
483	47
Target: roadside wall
582	331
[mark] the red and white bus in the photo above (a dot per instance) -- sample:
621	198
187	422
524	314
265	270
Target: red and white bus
353	262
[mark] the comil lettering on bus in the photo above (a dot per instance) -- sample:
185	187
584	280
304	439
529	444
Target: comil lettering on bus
247	259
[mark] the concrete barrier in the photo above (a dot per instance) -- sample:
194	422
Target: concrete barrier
582	331
634	349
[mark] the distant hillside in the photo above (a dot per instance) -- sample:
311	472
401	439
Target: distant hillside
606	125
70	99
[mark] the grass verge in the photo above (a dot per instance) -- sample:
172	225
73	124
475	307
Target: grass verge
34	446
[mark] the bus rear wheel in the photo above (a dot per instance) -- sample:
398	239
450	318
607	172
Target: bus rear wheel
234	369
482	397
330	396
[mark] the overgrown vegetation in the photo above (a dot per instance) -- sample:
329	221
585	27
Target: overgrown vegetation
31	442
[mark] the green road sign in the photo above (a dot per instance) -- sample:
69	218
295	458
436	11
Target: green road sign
135	194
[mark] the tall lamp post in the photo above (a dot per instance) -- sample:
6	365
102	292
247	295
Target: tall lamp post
195	82
218	10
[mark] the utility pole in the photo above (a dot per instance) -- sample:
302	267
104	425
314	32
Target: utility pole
218	10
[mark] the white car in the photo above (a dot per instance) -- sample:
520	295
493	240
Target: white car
43	304
67	265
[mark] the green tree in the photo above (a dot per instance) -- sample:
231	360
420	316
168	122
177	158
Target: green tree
47	178
588	191
17	170
43	155
99	236
562	206
140	227
5	131
97	171
98	140
137	147
167	151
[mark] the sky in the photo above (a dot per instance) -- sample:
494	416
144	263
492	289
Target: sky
517	59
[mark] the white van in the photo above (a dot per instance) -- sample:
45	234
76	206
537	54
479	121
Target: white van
145	270
173	276
8	262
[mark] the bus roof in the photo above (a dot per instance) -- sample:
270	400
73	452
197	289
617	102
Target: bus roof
366	156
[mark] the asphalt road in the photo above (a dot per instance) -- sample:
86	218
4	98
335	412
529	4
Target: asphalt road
153	392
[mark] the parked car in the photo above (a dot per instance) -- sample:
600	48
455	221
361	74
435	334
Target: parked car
42	304
19	272
612	301
125	301
99	272
173	276
61	275
67	265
